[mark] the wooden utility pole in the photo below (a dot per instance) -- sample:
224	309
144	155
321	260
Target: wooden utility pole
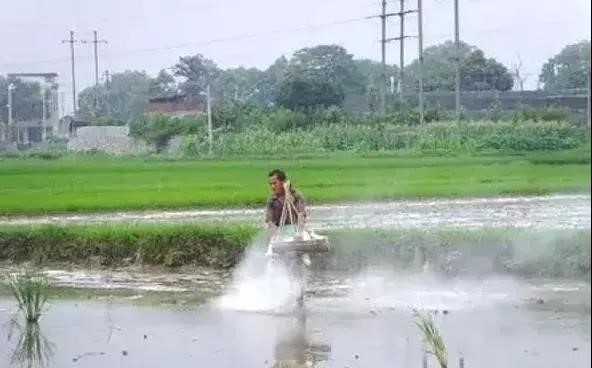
71	41
383	60
420	57
457	59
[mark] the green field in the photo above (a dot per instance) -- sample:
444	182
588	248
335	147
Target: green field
75	184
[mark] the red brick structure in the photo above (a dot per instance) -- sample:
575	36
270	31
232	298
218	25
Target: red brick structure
178	105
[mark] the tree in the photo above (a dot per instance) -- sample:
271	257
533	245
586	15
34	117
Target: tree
319	76
198	72
568	69
163	84
240	85
299	93
272	80
518	75
477	71
27	103
122	98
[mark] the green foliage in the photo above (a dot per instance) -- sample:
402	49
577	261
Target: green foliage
158	129
477	72
319	77
169	245
30	291
31	186
568	69
282	133
432	338
197	72
122	98
560	253
26	99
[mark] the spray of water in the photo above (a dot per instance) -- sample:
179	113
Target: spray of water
260	284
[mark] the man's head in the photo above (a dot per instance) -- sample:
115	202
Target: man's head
276	180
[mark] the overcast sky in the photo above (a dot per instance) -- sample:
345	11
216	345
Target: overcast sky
152	34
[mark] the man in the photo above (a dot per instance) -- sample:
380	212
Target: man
282	189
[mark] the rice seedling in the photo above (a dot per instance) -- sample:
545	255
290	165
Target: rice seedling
30	290
432	338
34	187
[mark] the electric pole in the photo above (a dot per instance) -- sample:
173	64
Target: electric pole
588	99
401	48
383	54
420	57
383	17
11	87
71	41
96	43
457	59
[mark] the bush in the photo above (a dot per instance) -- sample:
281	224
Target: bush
158	129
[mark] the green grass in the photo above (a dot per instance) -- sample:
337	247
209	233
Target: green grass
32	186
30	291
432	338
561	253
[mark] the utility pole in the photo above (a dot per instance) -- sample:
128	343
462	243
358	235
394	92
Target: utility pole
44	113
96	43
457	59
588	100
383	17
11	88
209	111
420	57
401	48
71	41
383	59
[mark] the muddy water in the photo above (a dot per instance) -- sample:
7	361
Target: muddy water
548	212
363	320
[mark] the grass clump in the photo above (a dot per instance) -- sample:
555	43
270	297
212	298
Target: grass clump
30	289
432	338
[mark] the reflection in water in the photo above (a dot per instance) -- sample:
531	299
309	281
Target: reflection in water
32	348
294	350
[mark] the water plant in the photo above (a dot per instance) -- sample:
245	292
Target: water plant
30	289
432	338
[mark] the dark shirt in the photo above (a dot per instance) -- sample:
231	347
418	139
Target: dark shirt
275	205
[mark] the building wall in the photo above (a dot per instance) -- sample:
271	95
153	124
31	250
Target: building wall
110	139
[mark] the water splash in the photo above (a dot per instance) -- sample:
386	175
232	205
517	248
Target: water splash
260	284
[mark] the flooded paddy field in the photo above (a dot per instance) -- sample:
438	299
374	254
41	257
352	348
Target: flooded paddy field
246	317
555	211
361	321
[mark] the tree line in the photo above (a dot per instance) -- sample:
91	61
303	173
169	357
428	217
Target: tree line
312	78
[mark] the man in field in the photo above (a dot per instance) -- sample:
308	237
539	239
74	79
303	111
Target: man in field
282	189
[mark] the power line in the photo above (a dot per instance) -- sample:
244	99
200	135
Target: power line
211	41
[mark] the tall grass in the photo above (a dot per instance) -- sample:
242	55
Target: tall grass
30	289
432	338
564	253
442	136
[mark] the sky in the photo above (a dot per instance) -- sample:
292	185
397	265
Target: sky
152	34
